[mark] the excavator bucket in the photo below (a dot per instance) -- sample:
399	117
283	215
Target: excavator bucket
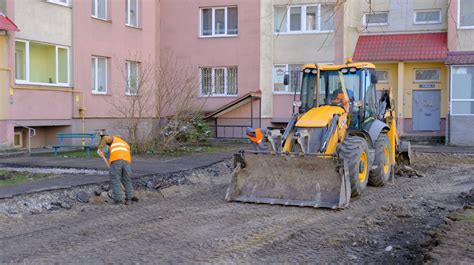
311	180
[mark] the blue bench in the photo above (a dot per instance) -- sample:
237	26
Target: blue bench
88	141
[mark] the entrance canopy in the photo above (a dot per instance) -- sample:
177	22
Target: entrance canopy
7	24
402	47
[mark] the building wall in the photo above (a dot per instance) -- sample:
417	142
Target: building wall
322	47
458	130
401	15
392	79
459	39
410	85
183	40
42	21
117	42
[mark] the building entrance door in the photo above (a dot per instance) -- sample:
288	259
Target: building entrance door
426	110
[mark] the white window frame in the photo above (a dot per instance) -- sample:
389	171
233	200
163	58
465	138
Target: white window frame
96	74
303	21
388	76
96	14
451	92
364	19
127	65
128	15
287	87
213	85
459	18
27	66
57	2
213	15
426	81
426	22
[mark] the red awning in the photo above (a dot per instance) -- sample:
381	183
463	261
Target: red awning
460	58
402	47
7	24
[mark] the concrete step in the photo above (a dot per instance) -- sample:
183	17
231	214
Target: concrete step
423	139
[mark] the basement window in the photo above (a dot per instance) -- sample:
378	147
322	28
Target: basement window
41	64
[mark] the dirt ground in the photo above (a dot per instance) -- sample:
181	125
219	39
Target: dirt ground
189	222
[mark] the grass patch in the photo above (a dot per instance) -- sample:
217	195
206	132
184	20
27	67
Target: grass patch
79	154
172	151
470	217
8	178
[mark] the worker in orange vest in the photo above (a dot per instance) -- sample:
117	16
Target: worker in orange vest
119	164
256	136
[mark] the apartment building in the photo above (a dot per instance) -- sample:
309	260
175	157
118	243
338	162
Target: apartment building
65	62
70	58
460	61
40	80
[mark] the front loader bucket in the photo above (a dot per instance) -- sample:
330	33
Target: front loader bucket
316	181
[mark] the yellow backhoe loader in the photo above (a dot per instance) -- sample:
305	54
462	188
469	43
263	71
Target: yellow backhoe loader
339	139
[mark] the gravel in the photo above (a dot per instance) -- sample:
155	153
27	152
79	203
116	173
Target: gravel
56	171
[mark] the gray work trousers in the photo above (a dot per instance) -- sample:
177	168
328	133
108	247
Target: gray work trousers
121	173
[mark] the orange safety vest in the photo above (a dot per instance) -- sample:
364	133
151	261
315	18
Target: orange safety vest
119	150
258	136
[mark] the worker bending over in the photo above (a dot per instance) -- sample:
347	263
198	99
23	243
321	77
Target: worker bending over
119	165
256	136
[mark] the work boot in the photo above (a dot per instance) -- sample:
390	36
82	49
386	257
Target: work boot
134	199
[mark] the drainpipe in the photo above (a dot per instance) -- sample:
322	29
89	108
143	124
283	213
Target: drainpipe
448	118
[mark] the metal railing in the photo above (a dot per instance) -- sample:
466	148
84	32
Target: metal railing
31	133
229	131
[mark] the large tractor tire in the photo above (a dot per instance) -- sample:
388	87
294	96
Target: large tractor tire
355	151
380	175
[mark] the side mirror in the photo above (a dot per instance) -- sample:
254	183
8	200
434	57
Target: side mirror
286	79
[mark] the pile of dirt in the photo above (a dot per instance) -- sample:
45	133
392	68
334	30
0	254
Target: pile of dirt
100	194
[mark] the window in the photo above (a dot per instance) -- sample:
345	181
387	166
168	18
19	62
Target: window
131	17
466	14
99	9
99	75
294	72
219	21
60	2
38	63
376	19
219	81
132	74
427	75
382	76
301	19
428	17
18	140
462	90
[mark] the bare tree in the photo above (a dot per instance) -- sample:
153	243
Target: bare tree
176	97
134	103
161	99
